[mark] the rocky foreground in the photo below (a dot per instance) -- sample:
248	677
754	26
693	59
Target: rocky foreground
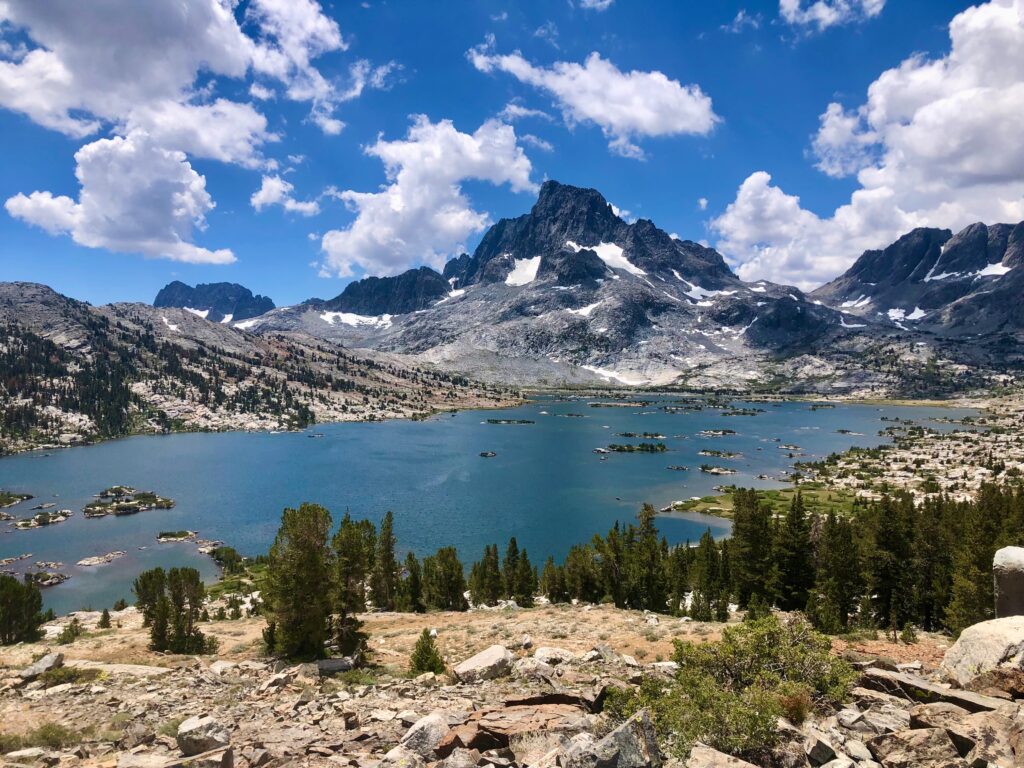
525	688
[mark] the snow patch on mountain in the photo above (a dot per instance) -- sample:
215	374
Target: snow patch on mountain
524	272
898	314
585	311
611	254
610	375
860	301
996	269
197	312
356	321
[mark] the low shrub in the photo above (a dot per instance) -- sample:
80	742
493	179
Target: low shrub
729	694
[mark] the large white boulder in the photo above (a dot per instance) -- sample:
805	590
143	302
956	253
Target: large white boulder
1008	576
489	664
425	734
994	644
201	734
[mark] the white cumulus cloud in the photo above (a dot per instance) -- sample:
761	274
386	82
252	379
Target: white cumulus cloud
626	106
148	72
422	216
936	143
135	197
819	15
276	191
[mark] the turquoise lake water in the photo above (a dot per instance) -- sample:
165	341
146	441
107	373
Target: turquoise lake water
545	486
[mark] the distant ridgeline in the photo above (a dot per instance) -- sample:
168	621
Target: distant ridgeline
221	302
71	373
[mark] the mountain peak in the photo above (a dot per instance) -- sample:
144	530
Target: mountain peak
220	301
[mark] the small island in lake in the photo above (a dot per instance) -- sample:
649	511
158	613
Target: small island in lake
509	421
43	519
124	500
638	448
716	432
166	537
716	470
8	499
646	435
487	454
43	579
719	454
110	557
679	468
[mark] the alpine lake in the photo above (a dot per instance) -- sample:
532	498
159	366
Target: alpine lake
544	483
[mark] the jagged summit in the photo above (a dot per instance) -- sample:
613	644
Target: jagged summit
408	292
576	234
217	302
935	280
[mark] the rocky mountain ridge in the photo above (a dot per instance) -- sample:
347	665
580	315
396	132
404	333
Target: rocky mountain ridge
932	280
570	293
76	373
216	302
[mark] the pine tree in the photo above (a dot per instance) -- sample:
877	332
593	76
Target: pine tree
707	587
486	583
104	622
839	580
750	546
525	581
678	567
610	571
297	589
552	582
21	607
149	588
510	569
649	568
892	579
933	562
792	553
352	548
972	596
385	567
425	656
411	588
444	584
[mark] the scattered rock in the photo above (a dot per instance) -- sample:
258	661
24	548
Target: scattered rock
45	664
553	656
489	664
994	644
633	744
923	748
424	736
403	757
493	728
201	734
818	748
913	688
326	667
702	756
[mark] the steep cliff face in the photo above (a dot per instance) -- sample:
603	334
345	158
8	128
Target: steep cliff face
411	291
933	280
217	302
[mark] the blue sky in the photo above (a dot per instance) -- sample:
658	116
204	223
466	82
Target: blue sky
770	74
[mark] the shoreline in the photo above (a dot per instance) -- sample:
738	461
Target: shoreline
719	519
418	416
